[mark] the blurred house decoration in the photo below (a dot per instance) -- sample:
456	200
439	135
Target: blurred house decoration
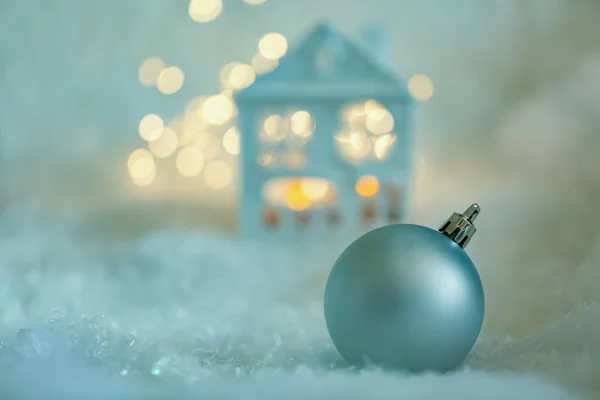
326	139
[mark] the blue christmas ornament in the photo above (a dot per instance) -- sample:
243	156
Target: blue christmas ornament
407	297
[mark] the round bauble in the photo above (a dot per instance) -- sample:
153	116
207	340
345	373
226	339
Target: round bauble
407	297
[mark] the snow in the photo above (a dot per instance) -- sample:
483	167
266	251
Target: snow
179	314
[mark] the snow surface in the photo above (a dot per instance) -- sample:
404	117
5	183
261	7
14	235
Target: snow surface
179	314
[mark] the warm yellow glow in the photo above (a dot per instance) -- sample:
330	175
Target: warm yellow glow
367	186
218	175
314	189
241	76
189	161
295	199
165	145
205	10
254	2
302	123
231	141
420	87
218	109
273	127
379	121
299	193
262	65
141	167
383	145
150	70
273	46
151	127
170	80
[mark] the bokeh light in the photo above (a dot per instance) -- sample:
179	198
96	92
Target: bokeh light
302	123
194	107
226	72
231	141
272	128
263	65
367	132
383	145
189	161
205	10
170	80
254	2
194	122
165	145
299	193
151	127
141	167
217	109
273	46
218	175
315	188
353	146
241	76
177	125
296	200
420	87
354	115
147	180
371	105
367	186
150	70
379	121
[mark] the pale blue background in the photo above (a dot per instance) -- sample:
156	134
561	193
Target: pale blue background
70	100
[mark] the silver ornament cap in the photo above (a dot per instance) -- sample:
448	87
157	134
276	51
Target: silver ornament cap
459	227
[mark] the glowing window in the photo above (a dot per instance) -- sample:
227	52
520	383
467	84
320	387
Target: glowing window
366	132
283	138
299	193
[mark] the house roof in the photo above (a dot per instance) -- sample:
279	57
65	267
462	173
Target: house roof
326	63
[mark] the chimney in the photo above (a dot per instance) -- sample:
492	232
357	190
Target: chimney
375	38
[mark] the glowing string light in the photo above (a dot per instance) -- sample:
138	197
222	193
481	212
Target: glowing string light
420	87
273	46
205	10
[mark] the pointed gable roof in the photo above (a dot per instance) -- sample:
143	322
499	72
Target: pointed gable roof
325	63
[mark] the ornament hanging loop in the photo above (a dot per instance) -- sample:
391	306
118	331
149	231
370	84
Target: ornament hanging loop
459	227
